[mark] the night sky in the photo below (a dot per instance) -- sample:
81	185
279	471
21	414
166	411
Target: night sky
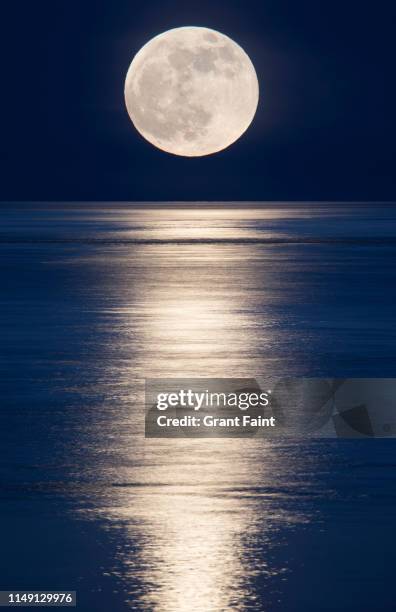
325	128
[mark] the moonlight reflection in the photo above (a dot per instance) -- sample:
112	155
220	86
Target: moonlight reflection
191	91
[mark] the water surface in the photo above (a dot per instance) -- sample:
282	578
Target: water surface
97	297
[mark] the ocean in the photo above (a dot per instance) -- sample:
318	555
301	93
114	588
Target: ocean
97	297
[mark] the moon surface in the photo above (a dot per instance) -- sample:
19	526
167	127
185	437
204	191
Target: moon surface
191	91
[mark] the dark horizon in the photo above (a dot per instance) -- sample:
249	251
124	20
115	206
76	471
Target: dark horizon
325	128
197	203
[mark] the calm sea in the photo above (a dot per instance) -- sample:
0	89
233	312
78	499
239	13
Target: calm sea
97	297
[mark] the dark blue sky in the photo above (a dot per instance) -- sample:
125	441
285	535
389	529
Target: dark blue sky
325	127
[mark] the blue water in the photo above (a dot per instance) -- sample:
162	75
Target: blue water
97	297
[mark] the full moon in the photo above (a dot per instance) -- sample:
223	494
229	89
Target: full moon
191	91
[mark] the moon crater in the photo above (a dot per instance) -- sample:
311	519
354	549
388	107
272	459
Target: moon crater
191	91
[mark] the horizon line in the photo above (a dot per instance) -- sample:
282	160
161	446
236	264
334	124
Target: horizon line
194	202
